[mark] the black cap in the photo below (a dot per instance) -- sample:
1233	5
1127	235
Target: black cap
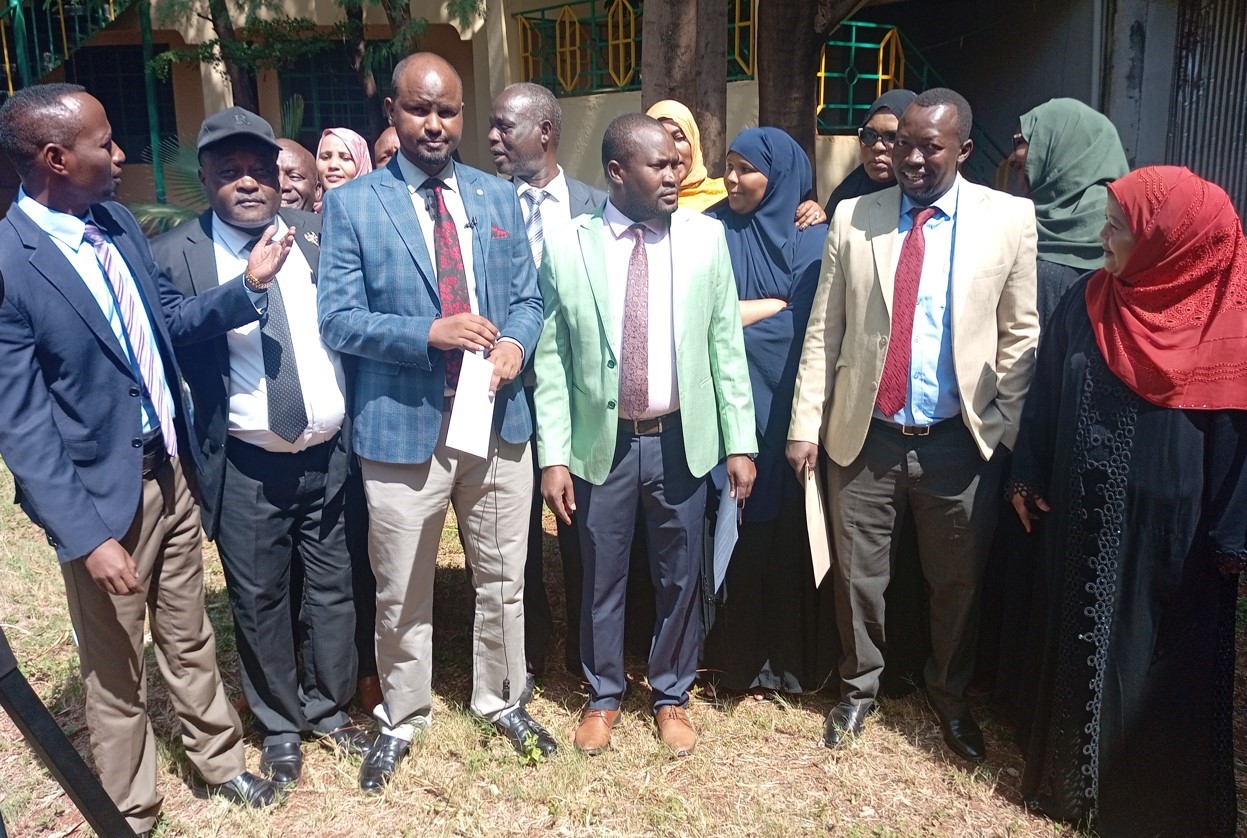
233	123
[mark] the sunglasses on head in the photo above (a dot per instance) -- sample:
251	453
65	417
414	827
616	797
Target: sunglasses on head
869	136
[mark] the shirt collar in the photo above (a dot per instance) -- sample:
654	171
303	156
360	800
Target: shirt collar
946	203
235	240
416	177
556	189
62	226
618	223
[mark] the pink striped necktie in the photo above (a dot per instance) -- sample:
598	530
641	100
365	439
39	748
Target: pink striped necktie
142	342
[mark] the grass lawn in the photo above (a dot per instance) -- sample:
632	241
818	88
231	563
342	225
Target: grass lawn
757	771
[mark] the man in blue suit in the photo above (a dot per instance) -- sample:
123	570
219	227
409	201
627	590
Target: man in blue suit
421	262
93	427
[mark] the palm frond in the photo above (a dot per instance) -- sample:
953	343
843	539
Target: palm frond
159	218
292	117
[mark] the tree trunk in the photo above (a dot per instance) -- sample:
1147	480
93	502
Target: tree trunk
398	13
241	81
791	34
367	81
685	58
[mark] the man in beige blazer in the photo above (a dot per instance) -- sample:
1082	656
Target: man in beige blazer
915	365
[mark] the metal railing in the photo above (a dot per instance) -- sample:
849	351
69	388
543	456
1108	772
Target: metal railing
594	46
37	36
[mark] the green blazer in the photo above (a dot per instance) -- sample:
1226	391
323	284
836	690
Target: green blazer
578	367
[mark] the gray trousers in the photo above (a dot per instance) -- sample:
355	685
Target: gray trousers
954	496
407	510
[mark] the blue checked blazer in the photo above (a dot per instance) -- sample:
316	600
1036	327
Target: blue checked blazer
377	297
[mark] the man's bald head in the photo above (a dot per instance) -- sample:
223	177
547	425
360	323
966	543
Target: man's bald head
297	169
426	110
385	147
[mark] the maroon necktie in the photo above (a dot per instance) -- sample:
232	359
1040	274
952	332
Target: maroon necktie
894	383
452	279
634	351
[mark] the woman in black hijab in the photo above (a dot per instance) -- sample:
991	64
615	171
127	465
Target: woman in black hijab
875	136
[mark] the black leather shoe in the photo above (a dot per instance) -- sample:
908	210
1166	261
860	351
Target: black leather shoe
845	721
963	736
244	790
282	763
351	739
381	763
520	729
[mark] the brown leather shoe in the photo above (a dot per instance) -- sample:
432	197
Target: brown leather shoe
676	730
593	734
368	691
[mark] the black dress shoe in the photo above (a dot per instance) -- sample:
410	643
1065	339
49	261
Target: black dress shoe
845	721
282	763
352	739
520	729
381	763
244	790
963	736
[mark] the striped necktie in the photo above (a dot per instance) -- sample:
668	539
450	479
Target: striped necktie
138	331
533	227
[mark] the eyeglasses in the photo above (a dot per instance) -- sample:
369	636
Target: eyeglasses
869	136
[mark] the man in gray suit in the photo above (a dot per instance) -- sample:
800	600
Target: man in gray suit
524	130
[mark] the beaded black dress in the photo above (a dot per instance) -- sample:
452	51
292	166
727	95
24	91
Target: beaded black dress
1130	642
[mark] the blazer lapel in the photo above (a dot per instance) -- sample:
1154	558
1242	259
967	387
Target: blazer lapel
970	204
881	230
474	205
683	269
590	234
201	271
395	199
309	247
48	260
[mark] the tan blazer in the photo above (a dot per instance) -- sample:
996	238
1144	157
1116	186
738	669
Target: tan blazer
995	324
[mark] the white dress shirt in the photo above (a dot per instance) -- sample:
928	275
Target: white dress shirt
458	213
320	371
66	232
556	207
618	244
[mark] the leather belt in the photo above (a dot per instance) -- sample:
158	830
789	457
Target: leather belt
154	453
915	430
650	427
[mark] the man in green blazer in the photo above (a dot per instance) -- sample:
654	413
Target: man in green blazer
642	388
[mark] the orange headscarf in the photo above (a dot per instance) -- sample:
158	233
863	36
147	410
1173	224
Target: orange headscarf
1173	324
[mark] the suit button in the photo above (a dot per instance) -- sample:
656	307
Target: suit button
874	385
137	442
610	405
134	391
610	365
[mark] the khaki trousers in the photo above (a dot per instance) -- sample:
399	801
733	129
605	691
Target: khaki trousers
407	510
164	541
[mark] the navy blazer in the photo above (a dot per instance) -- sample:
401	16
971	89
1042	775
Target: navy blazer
188	255
70	412
378	298
583	197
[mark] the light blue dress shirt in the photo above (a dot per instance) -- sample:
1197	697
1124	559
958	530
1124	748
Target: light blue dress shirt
66	231
933	392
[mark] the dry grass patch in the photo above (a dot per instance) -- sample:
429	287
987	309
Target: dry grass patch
757	771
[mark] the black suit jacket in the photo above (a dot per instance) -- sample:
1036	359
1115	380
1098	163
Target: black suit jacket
70	411
583	197
187	254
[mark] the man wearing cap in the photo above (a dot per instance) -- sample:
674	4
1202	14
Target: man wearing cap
269	411
93	427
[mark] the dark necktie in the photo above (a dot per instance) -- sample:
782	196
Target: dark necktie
634	351
138	331
894	383
452	278
287	414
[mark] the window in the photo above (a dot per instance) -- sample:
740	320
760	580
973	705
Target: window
114	75
331	93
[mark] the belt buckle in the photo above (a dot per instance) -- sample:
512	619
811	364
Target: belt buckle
916	430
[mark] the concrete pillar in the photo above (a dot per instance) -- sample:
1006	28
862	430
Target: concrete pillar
1138	75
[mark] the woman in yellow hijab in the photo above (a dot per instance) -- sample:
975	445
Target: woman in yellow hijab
698	192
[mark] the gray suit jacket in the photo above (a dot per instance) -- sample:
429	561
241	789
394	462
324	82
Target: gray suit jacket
584	198
187	255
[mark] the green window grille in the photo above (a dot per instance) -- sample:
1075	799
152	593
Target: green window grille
114	75
331	93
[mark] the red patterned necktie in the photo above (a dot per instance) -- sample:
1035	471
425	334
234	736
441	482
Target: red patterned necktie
452	278
634	351
894	383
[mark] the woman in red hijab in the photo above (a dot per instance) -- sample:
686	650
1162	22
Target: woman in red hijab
1131	467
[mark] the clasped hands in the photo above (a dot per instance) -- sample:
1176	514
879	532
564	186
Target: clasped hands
474	333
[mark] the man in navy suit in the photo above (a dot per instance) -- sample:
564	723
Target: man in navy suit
423	261
524	130
93	427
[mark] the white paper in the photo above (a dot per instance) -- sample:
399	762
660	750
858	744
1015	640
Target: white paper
726	532
472	416
816	526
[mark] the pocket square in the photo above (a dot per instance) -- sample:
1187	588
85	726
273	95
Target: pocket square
498	233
